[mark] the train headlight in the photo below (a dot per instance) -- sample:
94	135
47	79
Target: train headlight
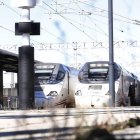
78	93
53	93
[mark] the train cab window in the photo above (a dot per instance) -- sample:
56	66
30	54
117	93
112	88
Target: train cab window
98	73
42	77
117	72
60	76
83	75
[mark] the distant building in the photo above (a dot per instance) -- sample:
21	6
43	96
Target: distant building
10	97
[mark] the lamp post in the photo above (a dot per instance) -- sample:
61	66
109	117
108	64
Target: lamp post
26	27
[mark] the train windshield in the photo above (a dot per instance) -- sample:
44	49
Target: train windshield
42	76
48	74
98	73
92	72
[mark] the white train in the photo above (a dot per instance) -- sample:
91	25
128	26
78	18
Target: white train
93	87
54	85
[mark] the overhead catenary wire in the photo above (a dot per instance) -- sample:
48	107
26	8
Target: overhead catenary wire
4	4
70	22
129	20
70	13
44	29
52	34
89	13
74	21
92	22
103	9
86	13
7	29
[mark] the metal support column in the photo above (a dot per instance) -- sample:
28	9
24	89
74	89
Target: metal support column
111	53
1	88
26	27
26	77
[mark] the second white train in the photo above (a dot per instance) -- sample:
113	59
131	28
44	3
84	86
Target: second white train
93	86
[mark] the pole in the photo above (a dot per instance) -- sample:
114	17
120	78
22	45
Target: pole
26	27
1	88
26	67
111	53
26	77
25	17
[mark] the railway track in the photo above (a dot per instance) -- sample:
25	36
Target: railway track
55	124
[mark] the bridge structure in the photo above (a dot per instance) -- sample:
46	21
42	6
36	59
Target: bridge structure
71	45
83	50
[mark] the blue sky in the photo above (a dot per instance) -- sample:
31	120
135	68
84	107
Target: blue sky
68	21
74	20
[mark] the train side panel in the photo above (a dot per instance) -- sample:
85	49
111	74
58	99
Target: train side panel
122	98
58	87
60	100
137	96
72	87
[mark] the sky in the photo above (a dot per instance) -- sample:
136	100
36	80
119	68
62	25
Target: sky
76	31
65	21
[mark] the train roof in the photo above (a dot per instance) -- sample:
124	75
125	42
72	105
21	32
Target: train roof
118	65
99	62
52	63
49	63
96	62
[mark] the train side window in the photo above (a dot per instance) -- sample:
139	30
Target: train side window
117	73
60	75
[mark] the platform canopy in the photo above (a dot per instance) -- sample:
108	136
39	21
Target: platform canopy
9	61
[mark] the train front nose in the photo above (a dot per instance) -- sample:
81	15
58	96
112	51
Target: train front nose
101	97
